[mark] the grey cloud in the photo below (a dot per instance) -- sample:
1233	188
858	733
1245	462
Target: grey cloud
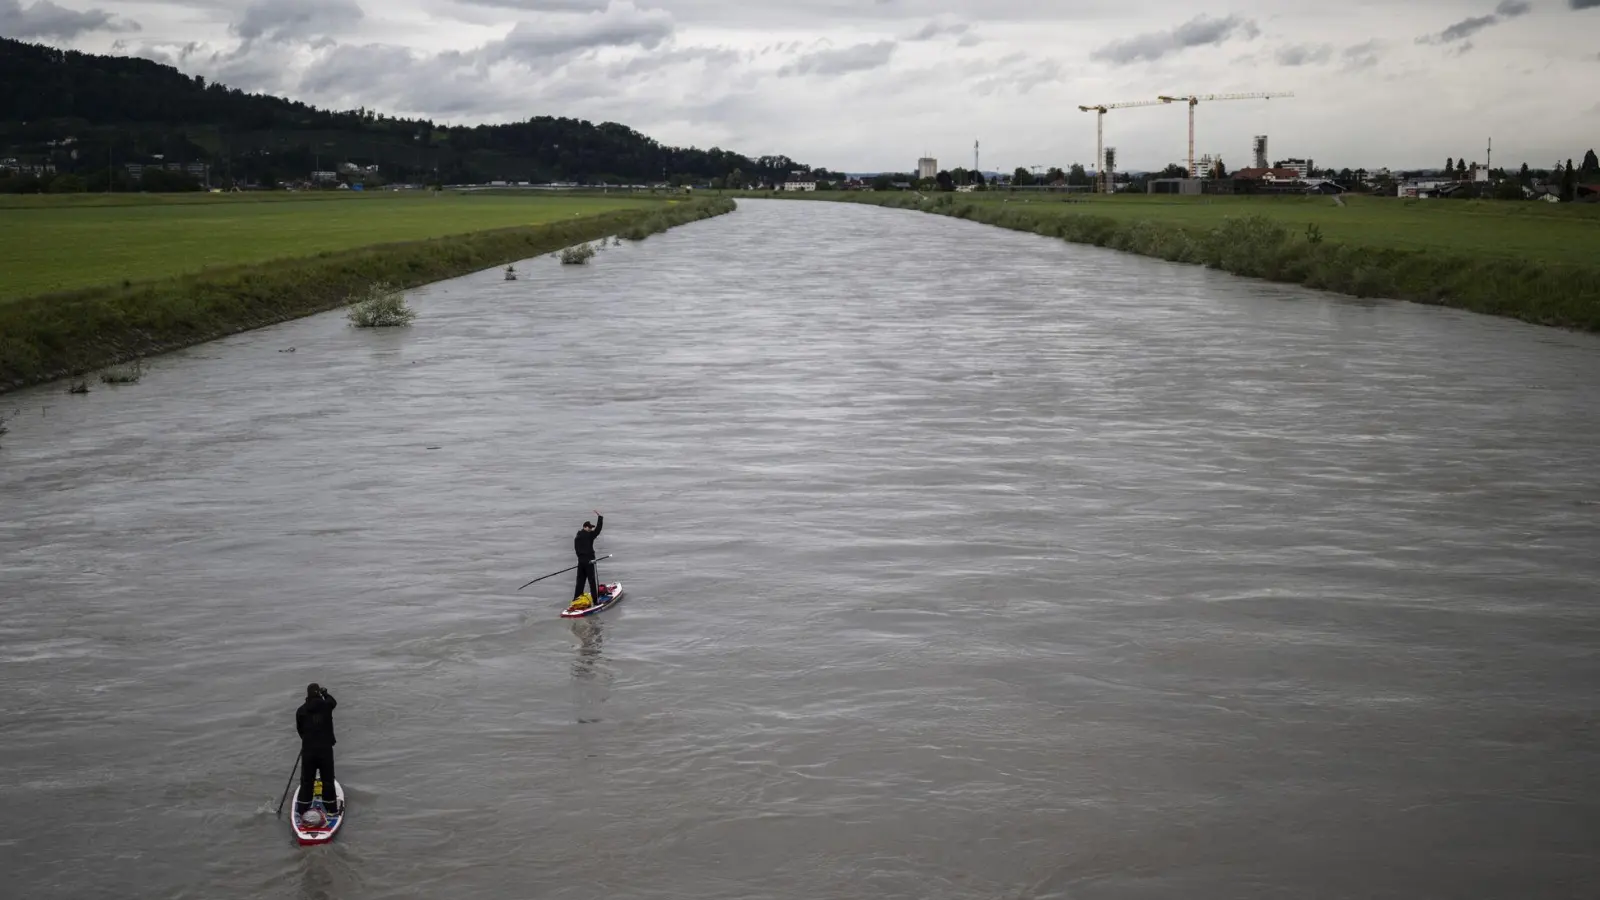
542	6
1462	29
1466	28
969	40
1200	31
722	57
1363	55
1585	4
1020	80
1304	54
286	20
934	30
46	19
621	24
858	58
444	85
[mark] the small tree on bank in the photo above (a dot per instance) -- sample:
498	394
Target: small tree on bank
381	306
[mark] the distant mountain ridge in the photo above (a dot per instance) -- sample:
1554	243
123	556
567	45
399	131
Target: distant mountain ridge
130	110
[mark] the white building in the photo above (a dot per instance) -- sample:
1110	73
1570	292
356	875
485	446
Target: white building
799	183
1302	167
927	167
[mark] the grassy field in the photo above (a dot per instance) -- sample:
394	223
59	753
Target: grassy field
1538	232
52	243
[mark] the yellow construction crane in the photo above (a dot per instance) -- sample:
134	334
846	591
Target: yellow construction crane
1099	135
1194	99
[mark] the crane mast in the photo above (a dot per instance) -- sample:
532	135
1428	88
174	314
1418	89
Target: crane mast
1102	182
1195	99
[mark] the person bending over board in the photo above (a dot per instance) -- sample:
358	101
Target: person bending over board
314	721
584	544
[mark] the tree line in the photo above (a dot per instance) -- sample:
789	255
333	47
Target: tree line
122	109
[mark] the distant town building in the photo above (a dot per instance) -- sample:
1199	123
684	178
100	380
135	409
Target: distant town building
1302	167
799	183
1271	176
927	167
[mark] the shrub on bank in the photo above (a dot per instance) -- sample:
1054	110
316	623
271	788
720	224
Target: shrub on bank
380	306
577	256
121	375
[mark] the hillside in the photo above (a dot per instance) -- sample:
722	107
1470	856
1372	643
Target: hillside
130	110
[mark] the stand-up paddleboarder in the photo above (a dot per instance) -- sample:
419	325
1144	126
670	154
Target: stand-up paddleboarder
314	721
583	543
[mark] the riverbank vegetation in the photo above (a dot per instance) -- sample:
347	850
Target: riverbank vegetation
48	336
74	243
577	255
380	306
1530	261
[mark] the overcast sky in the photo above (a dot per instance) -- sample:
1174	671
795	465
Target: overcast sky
862	85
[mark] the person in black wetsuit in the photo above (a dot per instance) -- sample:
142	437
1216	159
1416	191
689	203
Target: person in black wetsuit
584	544
314	721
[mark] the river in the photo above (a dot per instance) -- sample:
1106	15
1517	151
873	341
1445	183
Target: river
960	563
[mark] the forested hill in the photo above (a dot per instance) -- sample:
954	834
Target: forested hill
126	109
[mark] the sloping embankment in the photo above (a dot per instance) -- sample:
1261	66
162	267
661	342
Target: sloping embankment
1255	246
59	335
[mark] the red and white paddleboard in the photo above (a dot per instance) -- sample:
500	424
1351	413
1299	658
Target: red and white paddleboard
323	832
611	594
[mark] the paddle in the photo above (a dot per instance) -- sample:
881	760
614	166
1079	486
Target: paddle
291	781
567	569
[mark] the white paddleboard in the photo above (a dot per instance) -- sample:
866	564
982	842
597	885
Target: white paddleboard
308	835
610	600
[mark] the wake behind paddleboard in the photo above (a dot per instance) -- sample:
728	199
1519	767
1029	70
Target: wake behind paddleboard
321	834
607	600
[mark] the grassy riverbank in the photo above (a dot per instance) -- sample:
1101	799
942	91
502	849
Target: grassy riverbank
63	242
1529	261
48	336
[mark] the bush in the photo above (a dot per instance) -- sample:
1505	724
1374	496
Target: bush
576	256
382	306
121	375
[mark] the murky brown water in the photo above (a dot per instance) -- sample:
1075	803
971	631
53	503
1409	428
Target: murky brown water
963	564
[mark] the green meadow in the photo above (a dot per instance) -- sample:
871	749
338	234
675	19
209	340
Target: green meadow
54	243
1566	233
